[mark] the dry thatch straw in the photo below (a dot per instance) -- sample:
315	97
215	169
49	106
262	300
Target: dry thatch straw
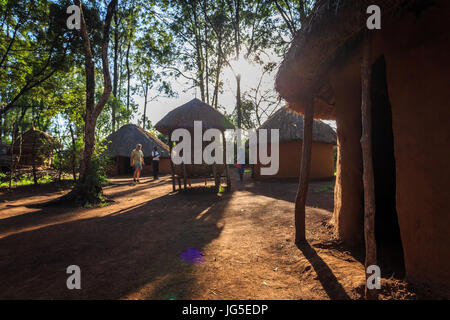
290	125
36	142
124	140
333	29
195	110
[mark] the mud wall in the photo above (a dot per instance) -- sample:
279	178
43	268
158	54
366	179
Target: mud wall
322	161
418	76
348	193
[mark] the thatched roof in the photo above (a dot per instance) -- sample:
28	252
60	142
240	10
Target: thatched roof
290	125
124	140
333	28
195	110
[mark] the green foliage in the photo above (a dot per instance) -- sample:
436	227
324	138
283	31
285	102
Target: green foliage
22	180
329	188
89	192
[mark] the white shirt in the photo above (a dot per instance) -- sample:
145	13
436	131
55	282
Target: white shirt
155	155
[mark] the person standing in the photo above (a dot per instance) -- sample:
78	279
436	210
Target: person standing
155	158
137	161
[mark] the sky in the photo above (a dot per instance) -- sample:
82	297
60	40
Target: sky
250	76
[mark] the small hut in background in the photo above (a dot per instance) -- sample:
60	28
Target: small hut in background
183	117
290	125
405	77
123	141
36	148
5	156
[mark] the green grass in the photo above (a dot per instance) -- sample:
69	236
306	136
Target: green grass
329	188
28	180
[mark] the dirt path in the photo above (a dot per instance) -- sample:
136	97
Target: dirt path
152	244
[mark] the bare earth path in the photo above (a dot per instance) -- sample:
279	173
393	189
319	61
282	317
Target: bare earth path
152	244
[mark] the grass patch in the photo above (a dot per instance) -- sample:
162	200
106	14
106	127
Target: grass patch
329	188
28	180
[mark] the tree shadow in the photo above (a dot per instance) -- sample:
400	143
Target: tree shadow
119	254
319	196
325	275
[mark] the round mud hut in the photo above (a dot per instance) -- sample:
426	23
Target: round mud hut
290	125
184	117
35	148
123	141
401	74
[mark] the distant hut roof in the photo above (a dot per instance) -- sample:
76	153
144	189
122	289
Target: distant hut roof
124	140
290	125
195	110
333	29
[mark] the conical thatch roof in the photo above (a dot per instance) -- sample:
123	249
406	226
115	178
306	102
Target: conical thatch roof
290	125
37	142
195	110
124	140
332	30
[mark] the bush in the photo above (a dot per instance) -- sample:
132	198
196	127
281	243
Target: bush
90	191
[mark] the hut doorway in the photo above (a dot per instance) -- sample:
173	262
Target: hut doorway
387	232
123	166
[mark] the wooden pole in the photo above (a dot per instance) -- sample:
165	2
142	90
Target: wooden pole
300	200
184	176
171	166
368	178
227	171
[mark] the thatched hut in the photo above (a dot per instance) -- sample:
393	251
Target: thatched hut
123	141
183	117
410	143
5	156
290	125
36	148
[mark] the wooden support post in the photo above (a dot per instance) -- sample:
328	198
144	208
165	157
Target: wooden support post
172	169
216	176
227	171
184	176
368	178
300	200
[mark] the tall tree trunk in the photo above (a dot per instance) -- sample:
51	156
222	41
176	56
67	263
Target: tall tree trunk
34	155
302	12
238	100
368	178
206	54
144	117
199	55
93	110
116	77
300	200
128	72
74	169
218	71
12	168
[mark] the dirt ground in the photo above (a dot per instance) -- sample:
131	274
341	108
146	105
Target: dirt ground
151	243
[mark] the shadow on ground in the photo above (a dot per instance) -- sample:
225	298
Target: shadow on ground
118	253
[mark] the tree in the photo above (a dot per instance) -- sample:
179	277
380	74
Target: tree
252	24
33	48
154	49
93	110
